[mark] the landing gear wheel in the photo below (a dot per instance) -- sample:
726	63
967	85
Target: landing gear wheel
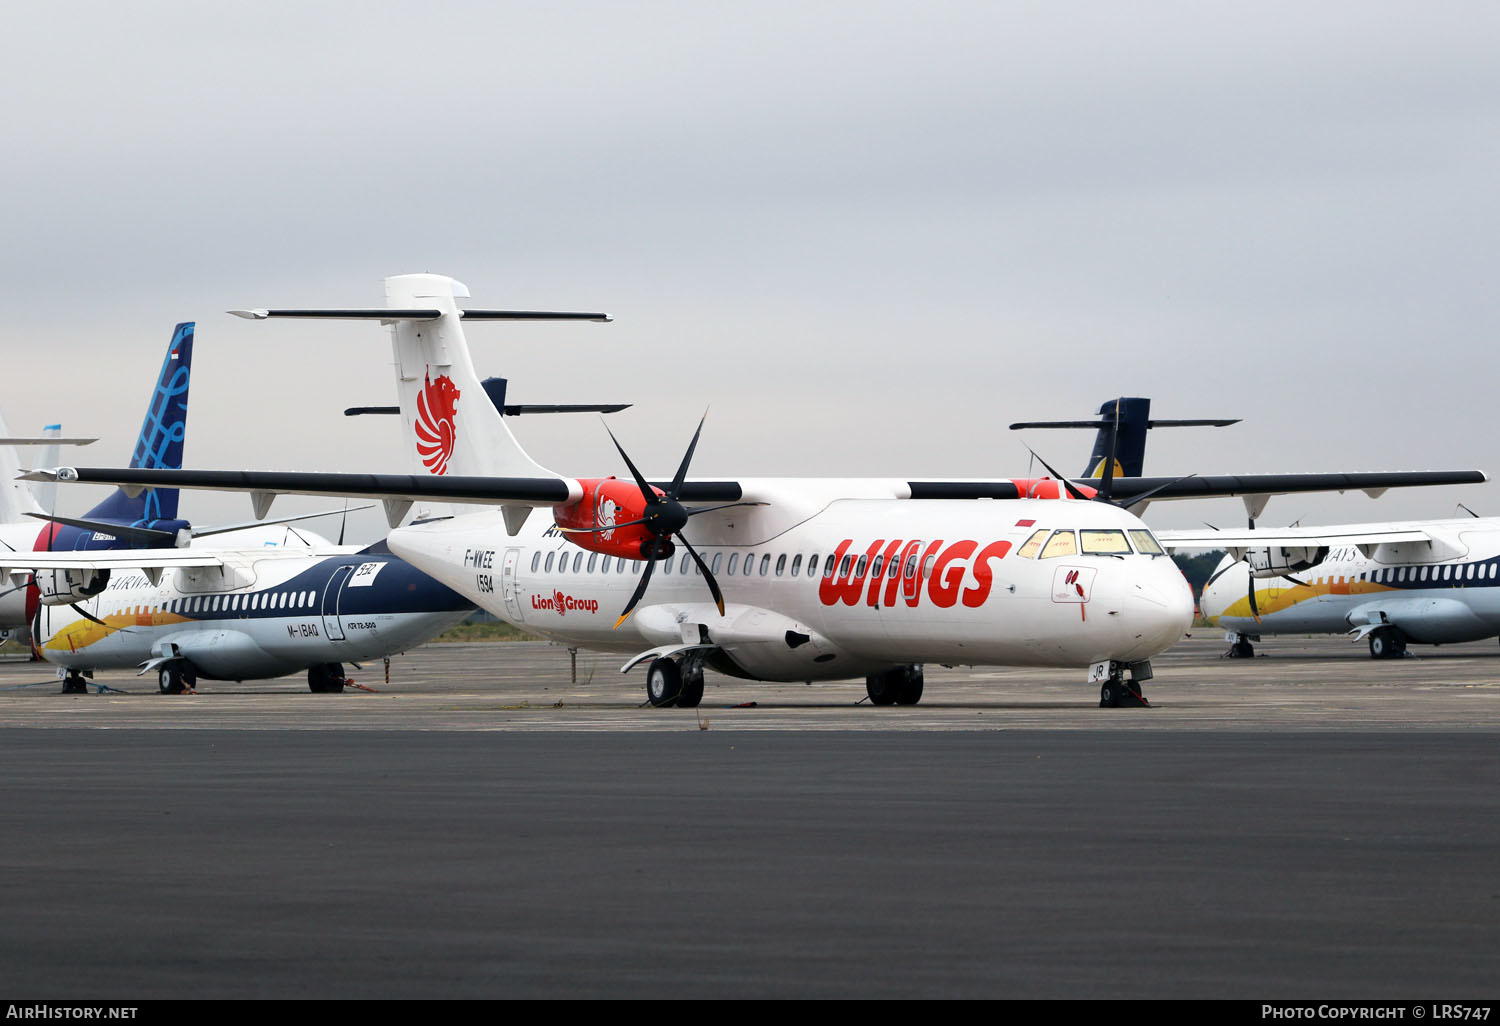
664	683
881	687
75	684
1115	692
326	679
692	686
1242	649
908	685
1387	643
175	679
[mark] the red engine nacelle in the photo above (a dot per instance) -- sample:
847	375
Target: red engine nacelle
608	501
1047	488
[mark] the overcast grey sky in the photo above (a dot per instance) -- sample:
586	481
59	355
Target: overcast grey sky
868	235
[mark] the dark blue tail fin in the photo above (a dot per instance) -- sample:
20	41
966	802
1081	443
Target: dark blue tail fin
1122	427
160	444
1120	432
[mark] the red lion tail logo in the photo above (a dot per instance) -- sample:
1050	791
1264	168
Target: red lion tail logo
436	432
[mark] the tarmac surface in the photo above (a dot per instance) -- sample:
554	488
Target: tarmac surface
1308	824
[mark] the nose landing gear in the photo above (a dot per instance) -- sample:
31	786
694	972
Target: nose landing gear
1115	690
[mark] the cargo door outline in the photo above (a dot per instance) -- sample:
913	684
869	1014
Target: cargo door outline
333	628
508	584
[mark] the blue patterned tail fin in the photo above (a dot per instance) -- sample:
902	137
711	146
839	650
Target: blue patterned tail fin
162	432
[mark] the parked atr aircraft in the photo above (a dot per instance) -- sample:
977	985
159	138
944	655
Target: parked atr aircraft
237	614
778	579
244	602
1431	582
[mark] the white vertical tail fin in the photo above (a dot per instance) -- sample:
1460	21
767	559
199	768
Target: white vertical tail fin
16	498
450	424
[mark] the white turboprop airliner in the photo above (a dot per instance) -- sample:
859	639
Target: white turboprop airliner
778	579
1430	582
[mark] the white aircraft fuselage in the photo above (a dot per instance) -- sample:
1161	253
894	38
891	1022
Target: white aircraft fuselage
859	586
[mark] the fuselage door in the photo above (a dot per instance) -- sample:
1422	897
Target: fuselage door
508	584
333	629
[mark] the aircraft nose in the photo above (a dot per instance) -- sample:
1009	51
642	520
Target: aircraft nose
1226	586
1161	608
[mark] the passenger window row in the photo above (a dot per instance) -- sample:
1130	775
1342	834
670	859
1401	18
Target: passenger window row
227	603
1415	574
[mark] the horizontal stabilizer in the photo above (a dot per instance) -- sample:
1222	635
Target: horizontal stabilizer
1094	425
381	314
145	537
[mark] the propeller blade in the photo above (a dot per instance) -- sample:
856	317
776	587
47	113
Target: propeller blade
686	459
646	492
713	585
1254	611
1219	573
1109	468
90	616
1146	495
1066	483
640	589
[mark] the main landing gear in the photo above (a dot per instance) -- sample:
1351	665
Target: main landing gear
326	679
676	682
901	686
1117	692
176	678
1387	643
1240	647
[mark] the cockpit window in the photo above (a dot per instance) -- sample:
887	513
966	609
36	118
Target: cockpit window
1032	544
1146	543
1060	544
1103	543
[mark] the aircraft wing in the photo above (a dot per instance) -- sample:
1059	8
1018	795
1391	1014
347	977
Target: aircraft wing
151	561
1293	537
1129	490
400	491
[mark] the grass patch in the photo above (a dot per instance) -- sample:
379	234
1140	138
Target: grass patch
492	631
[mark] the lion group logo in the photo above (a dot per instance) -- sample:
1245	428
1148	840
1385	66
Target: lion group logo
436	431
